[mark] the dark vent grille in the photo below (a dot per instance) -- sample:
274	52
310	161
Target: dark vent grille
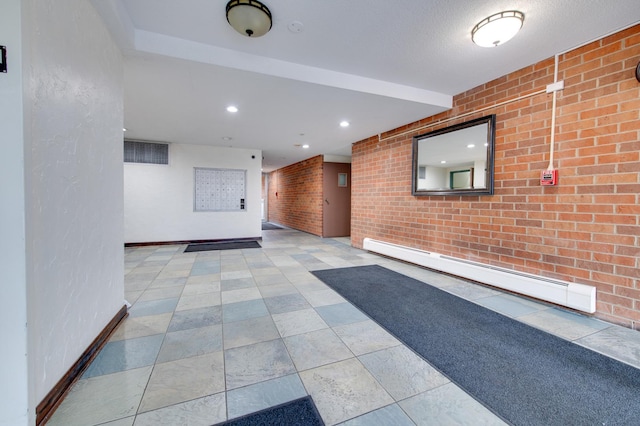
146	152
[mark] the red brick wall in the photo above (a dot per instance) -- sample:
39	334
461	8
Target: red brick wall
298	203
586	229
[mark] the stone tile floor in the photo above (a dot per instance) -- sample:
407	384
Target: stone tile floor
215	335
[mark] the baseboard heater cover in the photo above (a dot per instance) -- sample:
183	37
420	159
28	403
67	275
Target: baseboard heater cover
572	295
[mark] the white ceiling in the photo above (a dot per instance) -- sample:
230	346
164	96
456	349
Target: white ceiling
379	64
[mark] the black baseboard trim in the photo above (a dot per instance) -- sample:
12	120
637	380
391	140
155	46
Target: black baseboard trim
169	243
48	405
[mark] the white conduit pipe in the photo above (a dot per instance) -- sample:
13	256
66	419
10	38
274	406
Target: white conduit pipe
528	95
553	116
475	111
561	86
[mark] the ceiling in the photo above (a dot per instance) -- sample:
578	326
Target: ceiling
375	63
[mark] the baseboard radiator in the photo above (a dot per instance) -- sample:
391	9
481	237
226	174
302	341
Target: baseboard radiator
572	295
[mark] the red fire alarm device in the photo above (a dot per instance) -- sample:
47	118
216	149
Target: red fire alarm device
549	177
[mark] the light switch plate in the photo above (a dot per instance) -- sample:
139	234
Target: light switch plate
3	59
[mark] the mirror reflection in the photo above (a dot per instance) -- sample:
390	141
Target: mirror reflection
455	160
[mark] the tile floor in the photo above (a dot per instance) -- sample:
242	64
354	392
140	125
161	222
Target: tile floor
215	335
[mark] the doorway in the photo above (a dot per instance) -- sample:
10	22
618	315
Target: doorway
336	190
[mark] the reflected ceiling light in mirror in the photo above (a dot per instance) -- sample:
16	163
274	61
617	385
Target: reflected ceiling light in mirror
305	146
471	145
344	123
232	108
497	29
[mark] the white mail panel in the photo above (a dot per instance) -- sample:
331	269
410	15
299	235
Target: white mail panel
219	190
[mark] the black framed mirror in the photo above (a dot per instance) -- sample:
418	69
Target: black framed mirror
455	160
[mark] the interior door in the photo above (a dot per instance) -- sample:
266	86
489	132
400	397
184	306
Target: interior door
336	211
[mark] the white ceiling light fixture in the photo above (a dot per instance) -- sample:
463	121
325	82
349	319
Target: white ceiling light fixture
249	17
232	108
497	29
344	123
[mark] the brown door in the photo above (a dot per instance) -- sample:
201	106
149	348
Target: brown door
336	212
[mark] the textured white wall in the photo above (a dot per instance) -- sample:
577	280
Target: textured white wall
14	390
74	172
158	199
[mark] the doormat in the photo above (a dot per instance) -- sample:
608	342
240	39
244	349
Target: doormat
300	412
524	375
268	226
224	245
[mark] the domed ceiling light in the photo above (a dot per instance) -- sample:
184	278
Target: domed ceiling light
249	17
497	29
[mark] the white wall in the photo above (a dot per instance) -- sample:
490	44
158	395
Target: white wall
14	389
479	174
158	199
434	178
74	179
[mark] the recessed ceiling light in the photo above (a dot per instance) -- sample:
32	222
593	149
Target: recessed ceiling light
305	146
226	138
471	145
443	161
344	123
232	108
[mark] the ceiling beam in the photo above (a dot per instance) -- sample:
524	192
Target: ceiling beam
160	44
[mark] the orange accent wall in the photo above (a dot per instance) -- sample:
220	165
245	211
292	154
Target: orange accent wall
586	229
298	203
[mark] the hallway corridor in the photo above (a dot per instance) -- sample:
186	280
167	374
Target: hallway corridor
215	335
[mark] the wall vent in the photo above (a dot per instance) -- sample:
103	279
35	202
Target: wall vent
146	152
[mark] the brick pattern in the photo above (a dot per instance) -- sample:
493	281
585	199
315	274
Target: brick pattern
586	229
298	203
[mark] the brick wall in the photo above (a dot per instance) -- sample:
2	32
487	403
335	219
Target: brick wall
298	203
586	229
